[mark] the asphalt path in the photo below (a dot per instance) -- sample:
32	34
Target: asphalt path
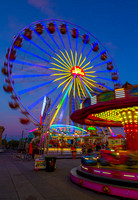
19	181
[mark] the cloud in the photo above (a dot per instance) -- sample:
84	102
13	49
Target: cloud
45	6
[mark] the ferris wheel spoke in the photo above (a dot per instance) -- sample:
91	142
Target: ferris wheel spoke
58	69
65	66
107	79
59	35
60	74
61	102
83	67
29	76
93	72
74	88
98	55
51	36
52	107
60	95
80	57
63	77
84	44
54	103
70	89
89	82
32	54
94	59
61	41
73	108
105	86
65	104
69	80
68	36
78	89
30	64
37	46
88	89
91	49
84	85
97	65
79	60
72	57
40	99
75	58
43	39
81	87
83	62
92	76
67	58
93	81
33	88
77	40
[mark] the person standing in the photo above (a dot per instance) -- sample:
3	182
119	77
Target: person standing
27	148
31	149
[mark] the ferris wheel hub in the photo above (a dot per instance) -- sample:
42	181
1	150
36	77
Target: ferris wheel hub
77	70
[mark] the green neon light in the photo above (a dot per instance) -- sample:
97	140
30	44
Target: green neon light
69	126
91	128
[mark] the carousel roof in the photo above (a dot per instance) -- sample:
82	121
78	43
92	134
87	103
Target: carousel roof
106	107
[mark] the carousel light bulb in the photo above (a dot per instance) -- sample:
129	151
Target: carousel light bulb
130	116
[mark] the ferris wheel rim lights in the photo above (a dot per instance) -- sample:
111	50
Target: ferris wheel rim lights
29	30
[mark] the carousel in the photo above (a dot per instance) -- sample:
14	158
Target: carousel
113	172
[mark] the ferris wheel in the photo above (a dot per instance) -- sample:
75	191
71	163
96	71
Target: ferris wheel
59	60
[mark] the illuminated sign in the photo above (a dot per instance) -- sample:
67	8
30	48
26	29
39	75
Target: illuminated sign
77	71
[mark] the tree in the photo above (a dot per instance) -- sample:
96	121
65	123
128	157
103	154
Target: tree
13	143
4	142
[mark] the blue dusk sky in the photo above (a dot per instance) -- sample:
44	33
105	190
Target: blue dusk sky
113	23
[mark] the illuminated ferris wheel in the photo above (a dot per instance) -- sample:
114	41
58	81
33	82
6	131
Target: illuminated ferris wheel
58	60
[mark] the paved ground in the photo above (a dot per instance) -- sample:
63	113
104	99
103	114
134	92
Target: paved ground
18	181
